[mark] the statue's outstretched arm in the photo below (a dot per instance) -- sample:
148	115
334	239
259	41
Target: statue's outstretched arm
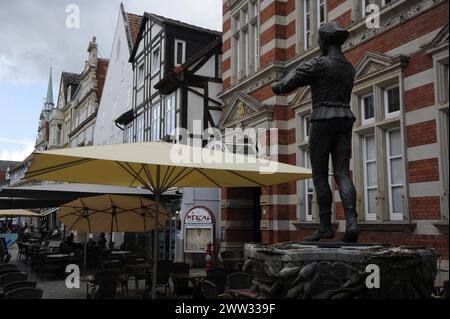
303	75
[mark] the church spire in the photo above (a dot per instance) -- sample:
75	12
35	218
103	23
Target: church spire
49	99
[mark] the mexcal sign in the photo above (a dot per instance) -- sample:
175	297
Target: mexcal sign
199	215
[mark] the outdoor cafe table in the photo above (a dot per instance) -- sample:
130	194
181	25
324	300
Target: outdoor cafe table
195	275
58	256
120	252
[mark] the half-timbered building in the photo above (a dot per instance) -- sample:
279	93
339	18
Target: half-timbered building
177	80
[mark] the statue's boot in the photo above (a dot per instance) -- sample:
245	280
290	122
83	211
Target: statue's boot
325	230
351	226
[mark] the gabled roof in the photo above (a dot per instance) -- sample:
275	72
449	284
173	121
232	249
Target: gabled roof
132	25
163	20
5	164
69	78
181	24
102	69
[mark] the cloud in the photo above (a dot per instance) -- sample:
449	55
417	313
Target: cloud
23	148
34	32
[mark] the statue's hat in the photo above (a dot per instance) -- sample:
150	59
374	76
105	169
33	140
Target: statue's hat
333	32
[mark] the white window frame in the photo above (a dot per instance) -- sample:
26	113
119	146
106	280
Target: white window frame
156	122
308	205
156	65
183	54
247	55
246	40
130	133
237	47
369	217
364	8
140	128
321	3
256	48
170	113
306	25
306	124
140	75
389	158
388	114
371	120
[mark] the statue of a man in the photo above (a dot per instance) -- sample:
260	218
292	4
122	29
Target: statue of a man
331	79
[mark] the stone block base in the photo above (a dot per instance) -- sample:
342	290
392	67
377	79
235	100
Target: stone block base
339	271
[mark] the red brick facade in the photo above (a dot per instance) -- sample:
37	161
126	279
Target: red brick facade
281	47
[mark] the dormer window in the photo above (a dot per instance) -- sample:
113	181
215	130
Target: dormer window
180	52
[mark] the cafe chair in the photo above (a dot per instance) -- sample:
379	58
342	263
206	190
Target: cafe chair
105	285
8	271
12	277
181	285
25	293
162	277
239	280
19	284
209	290
217	276
21	251
47	265
8	267
6	258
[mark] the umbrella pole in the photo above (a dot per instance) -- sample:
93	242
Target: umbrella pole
156	234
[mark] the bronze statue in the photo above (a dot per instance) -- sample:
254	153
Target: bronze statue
331	79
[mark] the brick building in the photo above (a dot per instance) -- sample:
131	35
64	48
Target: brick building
400	98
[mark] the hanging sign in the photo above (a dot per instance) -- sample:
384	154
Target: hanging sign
198	229
199	215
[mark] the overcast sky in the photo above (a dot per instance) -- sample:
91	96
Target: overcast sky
33	33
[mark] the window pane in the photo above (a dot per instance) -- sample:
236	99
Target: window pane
180	53
395	143
369	111
445	82
393	100
397	200
370	148
371	201
397	171
372	174
310	198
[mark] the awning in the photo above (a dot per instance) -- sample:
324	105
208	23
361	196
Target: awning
17	213
56	194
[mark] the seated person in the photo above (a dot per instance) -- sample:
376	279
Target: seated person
102	241
70	240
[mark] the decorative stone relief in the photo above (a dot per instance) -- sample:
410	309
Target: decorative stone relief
331	271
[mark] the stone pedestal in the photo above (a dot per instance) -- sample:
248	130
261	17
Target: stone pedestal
336	270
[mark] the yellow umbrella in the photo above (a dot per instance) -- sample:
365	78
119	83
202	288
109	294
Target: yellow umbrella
111	213
17	213
159	166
